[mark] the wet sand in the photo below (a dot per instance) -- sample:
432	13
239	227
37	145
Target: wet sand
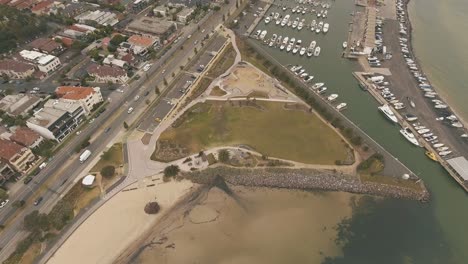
258	225
117	224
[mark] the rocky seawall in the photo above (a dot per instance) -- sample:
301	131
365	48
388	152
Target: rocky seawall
305	179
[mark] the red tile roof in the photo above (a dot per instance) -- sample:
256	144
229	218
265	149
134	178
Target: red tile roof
16	66
106	70
42	5
44	44
141	41
9	149
73	93
67	41
24	136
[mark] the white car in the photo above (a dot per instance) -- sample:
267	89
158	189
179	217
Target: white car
36	89
136	98
130	110
2	204
147	67
120	90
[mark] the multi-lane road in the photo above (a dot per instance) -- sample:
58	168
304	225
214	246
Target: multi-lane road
54	180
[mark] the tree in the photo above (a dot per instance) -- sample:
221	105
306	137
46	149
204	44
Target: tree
224	156
108	171
18	204
3	194
152	208
36	222
125	125
117	39
156	90
171	171
165	81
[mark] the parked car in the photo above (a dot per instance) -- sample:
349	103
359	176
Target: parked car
3	203
38	201
130	110
27	180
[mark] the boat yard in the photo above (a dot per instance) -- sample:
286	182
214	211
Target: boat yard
404	86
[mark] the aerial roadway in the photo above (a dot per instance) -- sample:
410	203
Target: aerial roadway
64	167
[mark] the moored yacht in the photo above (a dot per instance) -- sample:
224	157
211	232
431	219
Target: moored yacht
406	132
388	113
317	51
332	97
285	42
302	51
345	45
341	106
326	27
317	85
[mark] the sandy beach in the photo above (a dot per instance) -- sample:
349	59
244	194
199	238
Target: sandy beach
118	223
254	225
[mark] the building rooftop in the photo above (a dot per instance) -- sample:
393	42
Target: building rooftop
52	111
42	5
19	103
185	12
16	66
74	93
45	44
460	165
24	136
37	57
9	149
152	25
141	41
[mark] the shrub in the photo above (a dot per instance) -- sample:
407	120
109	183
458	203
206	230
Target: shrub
171	171
224	156
108	171
152	208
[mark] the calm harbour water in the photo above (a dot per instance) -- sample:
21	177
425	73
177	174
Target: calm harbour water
392	231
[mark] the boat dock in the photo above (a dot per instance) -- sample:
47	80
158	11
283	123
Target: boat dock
401	120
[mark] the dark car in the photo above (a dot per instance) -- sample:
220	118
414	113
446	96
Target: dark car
38	201
107	130
27	180
147	92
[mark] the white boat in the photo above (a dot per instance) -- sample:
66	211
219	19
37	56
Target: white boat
445	153
303	75
326	26
464	135
302	51
388	113
285	42
297	47
410	117
341	106
301	24
428	135
457	124
295	22
332	97
322	90
423	131
276	16
325	14
317	51
406	132
442	149
318	29
267	20
440	106
308	78
317	85
263	34
285	20
278	41
438	145
345	45
313	25
290	45
273	40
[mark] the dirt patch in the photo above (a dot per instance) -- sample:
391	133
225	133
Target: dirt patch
217	91
146	138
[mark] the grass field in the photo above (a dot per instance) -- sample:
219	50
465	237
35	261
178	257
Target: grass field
223	62
113	156
217	91
270	129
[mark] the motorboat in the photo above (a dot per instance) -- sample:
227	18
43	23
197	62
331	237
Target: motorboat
399	106
388	113
419	127
411	102
290	45
297	47
299	72
278	41
457	124
441	106
428	135
295	23
443	148
332	97
319	27
267	20
341	106
317	85
301	25
345	45
295	68
410	117
464	135
263	34
326	26
317	51
325	14
440	118
273	40
432	138
308	78
406	132
322	90
422	131
313	25
445	153
303	75
431	155
285	43
438	145
302	51
285	20
310	50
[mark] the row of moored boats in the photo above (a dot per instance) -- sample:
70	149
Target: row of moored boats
316	26
287	44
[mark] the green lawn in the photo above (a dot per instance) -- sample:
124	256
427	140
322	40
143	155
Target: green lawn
113	157
273	131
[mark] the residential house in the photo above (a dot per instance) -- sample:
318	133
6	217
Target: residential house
16	69
57	119
104	74
141	44
47	46
19	157
112	61
43	7
98	17
88	97
19	104
46	63
26	137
